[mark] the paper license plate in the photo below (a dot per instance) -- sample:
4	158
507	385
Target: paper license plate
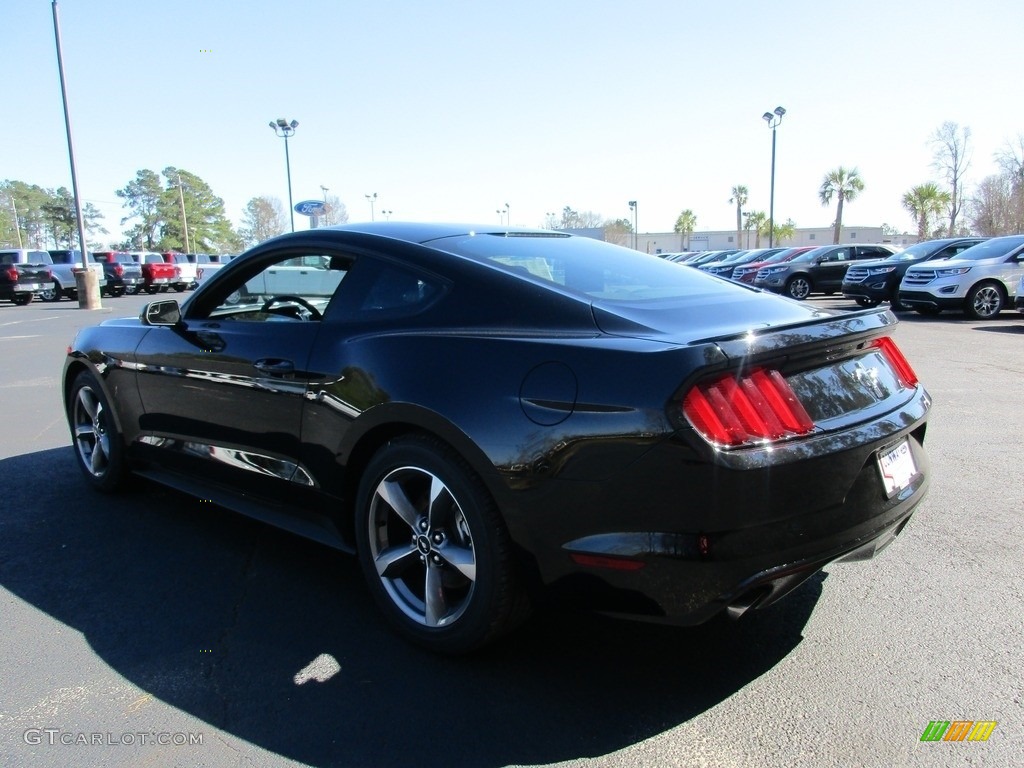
897	467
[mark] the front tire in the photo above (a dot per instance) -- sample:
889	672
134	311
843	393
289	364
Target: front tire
98	446
984	302
798	287
434	549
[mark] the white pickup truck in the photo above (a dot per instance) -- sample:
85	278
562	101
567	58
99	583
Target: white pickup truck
187	274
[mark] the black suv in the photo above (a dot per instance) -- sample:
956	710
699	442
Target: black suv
817	271
873	282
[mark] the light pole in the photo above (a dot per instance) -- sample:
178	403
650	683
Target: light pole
387	214
502	212
324	190
86	280
284	129
632	207
773	120
371	199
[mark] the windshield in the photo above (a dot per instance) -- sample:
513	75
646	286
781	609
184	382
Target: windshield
593	268
991	249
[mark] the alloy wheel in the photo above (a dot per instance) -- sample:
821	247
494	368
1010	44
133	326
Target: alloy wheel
421	547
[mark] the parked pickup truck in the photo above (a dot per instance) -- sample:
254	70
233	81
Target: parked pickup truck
64	283
207	266
187	274
23	273
124	275
157	274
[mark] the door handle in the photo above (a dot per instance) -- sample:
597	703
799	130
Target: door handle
274	366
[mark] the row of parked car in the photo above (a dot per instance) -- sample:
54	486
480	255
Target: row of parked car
50	275
980	276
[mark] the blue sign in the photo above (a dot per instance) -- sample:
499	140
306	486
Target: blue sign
310	207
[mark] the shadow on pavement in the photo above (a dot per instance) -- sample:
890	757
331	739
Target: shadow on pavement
215	615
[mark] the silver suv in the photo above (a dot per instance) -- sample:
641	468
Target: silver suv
980	281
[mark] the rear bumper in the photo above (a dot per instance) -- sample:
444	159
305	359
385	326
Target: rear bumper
737	539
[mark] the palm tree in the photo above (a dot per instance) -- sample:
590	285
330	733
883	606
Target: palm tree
739	197
749	222
784	232
685	225
759	223
844	184
923	202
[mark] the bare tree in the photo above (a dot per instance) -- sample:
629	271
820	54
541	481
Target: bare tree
951	158
998	206
335	212
264	218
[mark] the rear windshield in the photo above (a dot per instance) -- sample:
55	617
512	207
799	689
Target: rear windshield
590	267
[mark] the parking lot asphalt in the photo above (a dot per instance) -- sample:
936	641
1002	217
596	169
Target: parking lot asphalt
147	628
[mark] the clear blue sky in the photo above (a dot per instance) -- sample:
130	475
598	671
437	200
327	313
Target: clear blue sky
448	110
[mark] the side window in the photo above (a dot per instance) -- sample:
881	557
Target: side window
384	291
291	287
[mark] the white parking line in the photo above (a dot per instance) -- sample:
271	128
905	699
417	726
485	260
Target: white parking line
30	320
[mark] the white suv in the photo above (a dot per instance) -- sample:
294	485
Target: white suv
981	280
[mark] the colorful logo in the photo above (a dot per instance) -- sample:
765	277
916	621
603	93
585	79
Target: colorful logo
958	730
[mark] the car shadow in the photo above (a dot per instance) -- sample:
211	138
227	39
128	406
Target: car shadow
224	619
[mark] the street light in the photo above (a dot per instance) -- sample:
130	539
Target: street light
632	207
502	212
372	199
324	190
773	120
284	129
387	214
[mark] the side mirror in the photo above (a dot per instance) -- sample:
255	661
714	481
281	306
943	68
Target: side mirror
161	313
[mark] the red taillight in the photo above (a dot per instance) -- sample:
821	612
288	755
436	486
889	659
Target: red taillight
12	274
759	406
892	353
119	270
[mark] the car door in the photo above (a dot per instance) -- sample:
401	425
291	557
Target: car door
222	390
828	275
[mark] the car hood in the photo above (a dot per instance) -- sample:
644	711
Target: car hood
701	317
955	263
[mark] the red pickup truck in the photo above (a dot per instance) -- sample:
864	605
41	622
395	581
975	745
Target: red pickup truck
157	275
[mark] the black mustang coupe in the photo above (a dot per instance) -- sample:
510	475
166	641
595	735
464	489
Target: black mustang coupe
482	413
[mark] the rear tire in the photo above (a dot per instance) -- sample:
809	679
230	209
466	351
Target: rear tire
22	299
984	301
434	549
52	294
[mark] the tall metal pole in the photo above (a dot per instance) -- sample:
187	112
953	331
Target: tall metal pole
773	119
88	290
284	129
288	168
771	204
